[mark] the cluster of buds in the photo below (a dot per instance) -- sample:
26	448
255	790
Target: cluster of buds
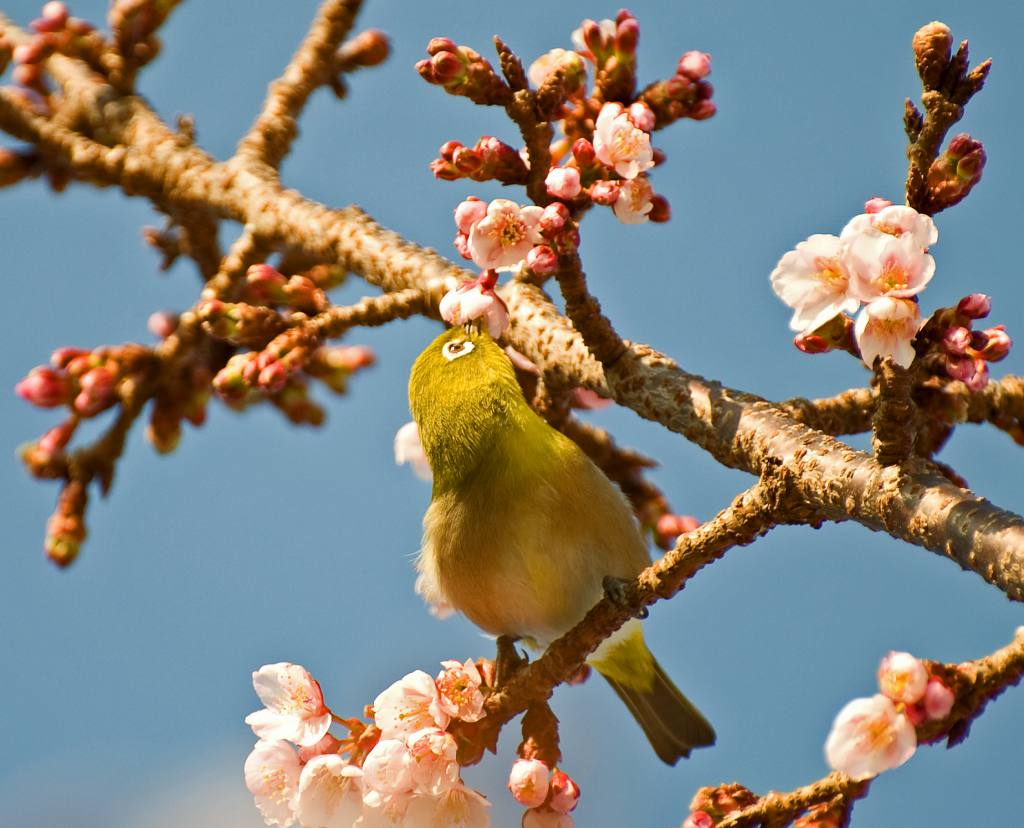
489	159
268	370
53	31
712	804
687	94
871	735
402	769
880	259
65	530
462	71
550	795
954	174
610	45
333	366
266	285
184	399
962	353
85	381
133	24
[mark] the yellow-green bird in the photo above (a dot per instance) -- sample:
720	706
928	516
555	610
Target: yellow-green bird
523	529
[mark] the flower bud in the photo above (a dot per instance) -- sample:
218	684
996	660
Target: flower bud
554	219
605	192
703	110
876	205
627	35
162	324
370	48
565	793
425	69
694	65
960	367
43	387
933	45
528	782
938	699
661	211
699	819
980	379
441	44
669	527
641	115
563	182
583	152
542	260
811	343
998	344
956	340
466	160
975	306
446	67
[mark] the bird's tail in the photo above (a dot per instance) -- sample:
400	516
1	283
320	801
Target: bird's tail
671	723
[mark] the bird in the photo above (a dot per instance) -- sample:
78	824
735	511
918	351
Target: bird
524	534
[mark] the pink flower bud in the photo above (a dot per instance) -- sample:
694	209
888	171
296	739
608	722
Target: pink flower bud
998	345
699	819
554	219
811	343
461	243
960	367
980	378
975	306
627	35
956	340
938	699
661	211
441	44
565	793
273	377
447	151
605	192
669	527
876	204
425	70
583	152
563	182
466	160
542	260
642	116
43	387
703	110
592	36
162	323
58	437
694	65
446	67
528	782
902	678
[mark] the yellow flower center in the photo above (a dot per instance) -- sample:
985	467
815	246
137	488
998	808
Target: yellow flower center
829	271
893	277
511	232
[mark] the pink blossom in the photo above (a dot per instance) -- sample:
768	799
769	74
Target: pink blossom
882	265
434	769
694	65
938	700
546	818
813	280
468	213
897	221
459	688
330	793
295	708
528	782
563	182
503	237
384	810
553	219
409	449
410	704
542	260
620	143
869	736
634	201
457	807
476	299
549	62
565	793
887	327
272	777
642	116
602	31
388	768
902	678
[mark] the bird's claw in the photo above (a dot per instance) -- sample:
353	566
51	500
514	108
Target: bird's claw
508	660
615	589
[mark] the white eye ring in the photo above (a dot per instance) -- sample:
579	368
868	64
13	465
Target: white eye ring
456	348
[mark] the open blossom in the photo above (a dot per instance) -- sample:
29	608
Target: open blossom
902	678
459	687
388	768
410	704
869	736
434	769
634	201
893	220
814	281
503	237
272	777
330	793
409	449
620	143
476	299
549	62
887	327
295	708
528	782
887	266
384	810
457	807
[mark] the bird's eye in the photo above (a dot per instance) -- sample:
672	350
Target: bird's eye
456	348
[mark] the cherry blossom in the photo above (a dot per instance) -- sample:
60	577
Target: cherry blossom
459	688
409	449
565	793
388	768
887	327
410	704
620	143
938	700
549	62
434	769
883	265
468	213
869	736
503	237
528	782
894	220
563	182
476	299
384	810
330	793
457	807
813	280
902	678
272	777
634	201
295	708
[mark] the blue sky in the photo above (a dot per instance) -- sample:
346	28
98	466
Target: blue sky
125	680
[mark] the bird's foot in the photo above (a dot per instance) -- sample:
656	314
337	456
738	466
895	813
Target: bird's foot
508	660
615	589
